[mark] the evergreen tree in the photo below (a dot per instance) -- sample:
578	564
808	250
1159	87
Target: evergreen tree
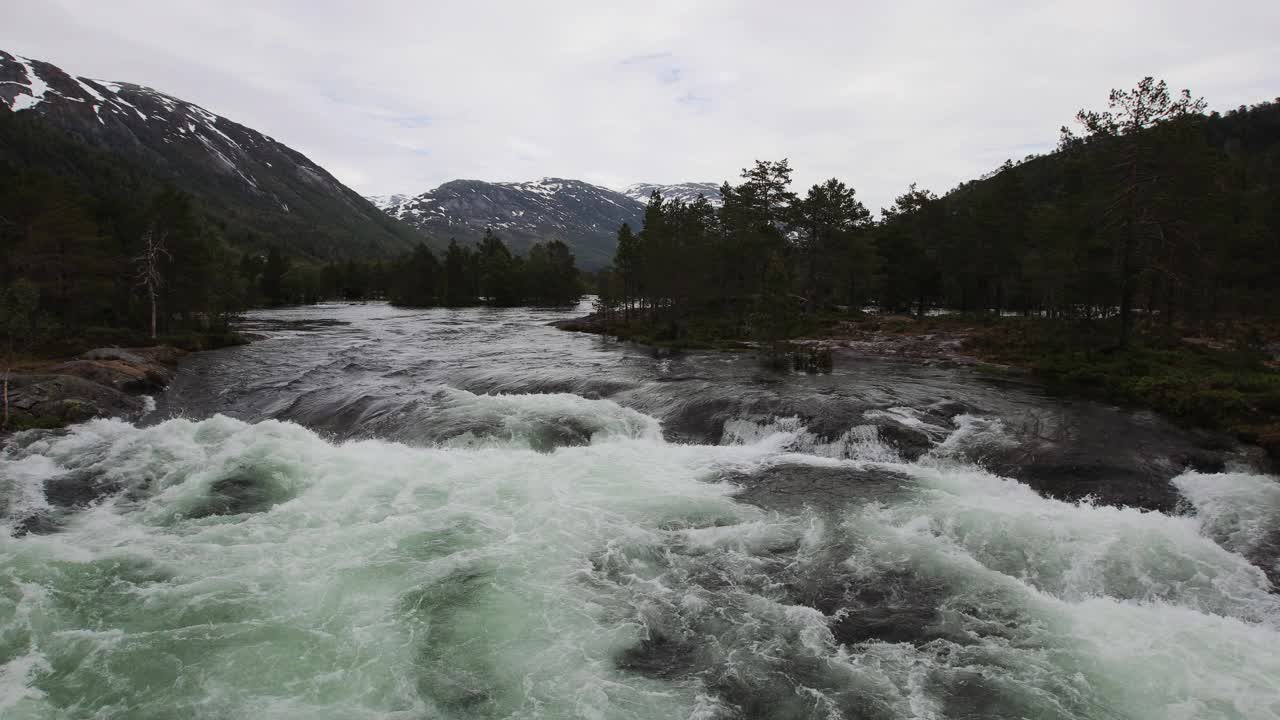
1126	125
457	283
273	273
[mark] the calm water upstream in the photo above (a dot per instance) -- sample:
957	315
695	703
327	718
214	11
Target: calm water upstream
386	513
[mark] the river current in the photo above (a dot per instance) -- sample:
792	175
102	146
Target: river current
376	512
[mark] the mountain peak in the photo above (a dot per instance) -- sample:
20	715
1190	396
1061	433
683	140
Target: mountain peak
585	216
684	192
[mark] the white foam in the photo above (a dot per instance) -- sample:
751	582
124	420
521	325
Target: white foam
382	580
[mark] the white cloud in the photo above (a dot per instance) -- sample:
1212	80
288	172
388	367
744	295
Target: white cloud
400	96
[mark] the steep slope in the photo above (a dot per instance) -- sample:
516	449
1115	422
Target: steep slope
585	216
249	179
684	192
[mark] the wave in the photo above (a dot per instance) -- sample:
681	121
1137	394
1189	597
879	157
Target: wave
553	556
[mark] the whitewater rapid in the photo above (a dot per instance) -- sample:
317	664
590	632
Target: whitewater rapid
260	570
376	513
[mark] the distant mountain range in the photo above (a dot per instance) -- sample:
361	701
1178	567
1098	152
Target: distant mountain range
258	186
584	216
239	174
684	192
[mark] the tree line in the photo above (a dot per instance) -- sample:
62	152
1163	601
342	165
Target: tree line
95	250
1153	211
487	274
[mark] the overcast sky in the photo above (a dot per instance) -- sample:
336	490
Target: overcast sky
401	95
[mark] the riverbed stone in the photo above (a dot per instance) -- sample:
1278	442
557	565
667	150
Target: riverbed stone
67	399
79	489
794	486
142	377
117	354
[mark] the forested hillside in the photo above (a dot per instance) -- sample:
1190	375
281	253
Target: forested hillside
249	181
74	222
1160	210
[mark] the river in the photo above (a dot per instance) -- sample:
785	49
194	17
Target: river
387	513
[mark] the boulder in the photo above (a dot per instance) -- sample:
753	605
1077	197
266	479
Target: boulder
135	378
65	399
125	356
161	354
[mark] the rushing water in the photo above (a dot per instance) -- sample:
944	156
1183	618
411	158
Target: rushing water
379	513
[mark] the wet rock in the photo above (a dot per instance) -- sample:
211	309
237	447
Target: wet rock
546	438
592	323
97	384
1112	456
908	442
791	487
116	354
660	656
1105	482
828	421
946	410
78	490
1202	461
237	495
894	608
36	524
698	420
65	399
164	354
143	377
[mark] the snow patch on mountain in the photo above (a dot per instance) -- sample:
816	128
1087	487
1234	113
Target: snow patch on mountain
684	192
584	216
35	86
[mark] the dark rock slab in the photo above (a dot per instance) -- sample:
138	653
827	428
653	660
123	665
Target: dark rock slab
792	487
134	378
77	490
67	399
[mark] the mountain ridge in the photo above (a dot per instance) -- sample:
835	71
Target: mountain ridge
584	215
245	176
684	192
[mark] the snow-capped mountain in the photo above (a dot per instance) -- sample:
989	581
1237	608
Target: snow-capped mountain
386	202
235	171
684	192
585	216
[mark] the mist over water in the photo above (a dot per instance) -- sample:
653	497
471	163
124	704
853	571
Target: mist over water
382	513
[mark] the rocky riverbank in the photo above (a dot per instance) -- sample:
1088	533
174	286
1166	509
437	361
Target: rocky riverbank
1230	387
870	339
106	382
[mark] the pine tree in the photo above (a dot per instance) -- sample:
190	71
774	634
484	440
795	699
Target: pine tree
273	273
1126	124
20	330
457	284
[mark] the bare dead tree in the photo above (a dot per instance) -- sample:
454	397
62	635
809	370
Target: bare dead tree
149	275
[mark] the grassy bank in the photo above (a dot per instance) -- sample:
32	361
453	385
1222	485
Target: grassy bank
1227	385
